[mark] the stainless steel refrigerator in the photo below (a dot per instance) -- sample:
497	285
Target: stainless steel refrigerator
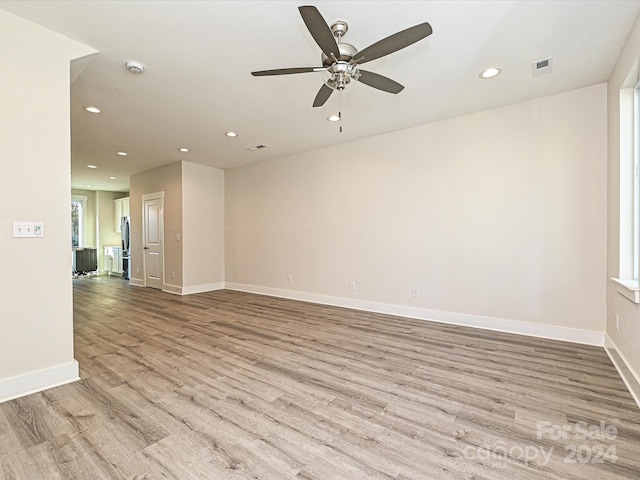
126	247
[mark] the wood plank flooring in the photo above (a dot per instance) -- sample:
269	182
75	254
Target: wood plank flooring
229	385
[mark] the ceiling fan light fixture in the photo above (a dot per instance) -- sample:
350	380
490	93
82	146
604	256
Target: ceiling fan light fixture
333	118
341	75
490	72
341	60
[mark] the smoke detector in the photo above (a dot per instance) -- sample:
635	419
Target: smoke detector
135	67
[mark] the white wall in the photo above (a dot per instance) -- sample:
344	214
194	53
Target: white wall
495	215
36	330
202	227
627	339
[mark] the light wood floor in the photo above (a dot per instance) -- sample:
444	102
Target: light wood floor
228	385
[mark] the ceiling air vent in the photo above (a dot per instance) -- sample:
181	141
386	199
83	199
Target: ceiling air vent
257	147
542	67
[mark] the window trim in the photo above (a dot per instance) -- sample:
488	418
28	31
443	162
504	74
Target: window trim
627	284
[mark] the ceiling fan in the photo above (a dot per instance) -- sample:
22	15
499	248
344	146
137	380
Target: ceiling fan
342	61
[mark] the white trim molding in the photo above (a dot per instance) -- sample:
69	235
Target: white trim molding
628	288
209	287
566	334
166	287
38	381
630	378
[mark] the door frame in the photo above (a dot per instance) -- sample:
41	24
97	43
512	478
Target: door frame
145	197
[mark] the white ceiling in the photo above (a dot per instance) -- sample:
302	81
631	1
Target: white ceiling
198	57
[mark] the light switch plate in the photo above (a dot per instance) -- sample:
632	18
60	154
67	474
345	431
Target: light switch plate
28	229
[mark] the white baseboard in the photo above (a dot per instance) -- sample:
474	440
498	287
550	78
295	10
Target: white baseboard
172	289
37	381
575	335
137	282
208	287
629	376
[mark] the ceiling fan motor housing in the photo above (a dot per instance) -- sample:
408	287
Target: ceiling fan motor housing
347	52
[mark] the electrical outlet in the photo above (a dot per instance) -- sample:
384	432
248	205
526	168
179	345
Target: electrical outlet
137	269
352	286
617	322
415	292
289	278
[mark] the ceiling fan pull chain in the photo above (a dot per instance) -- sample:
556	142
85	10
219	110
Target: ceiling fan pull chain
340	109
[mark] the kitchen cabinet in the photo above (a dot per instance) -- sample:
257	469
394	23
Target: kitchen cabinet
113	260
120	209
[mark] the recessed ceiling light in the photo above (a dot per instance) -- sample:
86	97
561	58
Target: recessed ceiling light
123	154
231	134
490	72
334	118
92	109
92	166
112	178
183	149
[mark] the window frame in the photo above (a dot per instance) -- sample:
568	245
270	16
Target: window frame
627	282
82	220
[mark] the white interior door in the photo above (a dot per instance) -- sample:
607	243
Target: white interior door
152	233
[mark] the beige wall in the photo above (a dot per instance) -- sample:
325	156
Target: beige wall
193	225
167	179
499	214
627	339
36	331
202	226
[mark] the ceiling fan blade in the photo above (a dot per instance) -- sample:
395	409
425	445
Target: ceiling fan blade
319	30
380	82
323	95
287	71
394	43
